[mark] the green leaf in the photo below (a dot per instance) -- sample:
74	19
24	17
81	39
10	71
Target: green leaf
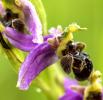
12	58
15	56
42	14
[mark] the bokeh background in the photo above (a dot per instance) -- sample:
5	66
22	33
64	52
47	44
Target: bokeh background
87	13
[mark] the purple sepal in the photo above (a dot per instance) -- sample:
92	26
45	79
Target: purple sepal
32	21
20	40
68	82
39	58
71	95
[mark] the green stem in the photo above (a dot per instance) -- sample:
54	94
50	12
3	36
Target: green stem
52	87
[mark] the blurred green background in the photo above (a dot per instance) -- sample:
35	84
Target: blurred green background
87	13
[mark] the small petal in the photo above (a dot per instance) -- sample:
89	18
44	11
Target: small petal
39	58
54	36
2	10
20	40
57	32
32	20
71	95
48	36
68	82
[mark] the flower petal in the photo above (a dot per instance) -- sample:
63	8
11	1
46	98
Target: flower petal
68	82
19	40
72	90
71	95
48	36
32	20
2	10
57	32
38	59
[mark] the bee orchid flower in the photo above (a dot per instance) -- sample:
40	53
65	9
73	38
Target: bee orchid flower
42	56
24	31
74	91
22	28
72	94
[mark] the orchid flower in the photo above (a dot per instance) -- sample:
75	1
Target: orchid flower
43	55
23	29
74	91
39	58
71	94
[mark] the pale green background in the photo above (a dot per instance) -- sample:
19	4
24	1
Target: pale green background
87	13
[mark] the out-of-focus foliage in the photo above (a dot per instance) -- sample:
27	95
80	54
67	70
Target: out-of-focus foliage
42	14
87	13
